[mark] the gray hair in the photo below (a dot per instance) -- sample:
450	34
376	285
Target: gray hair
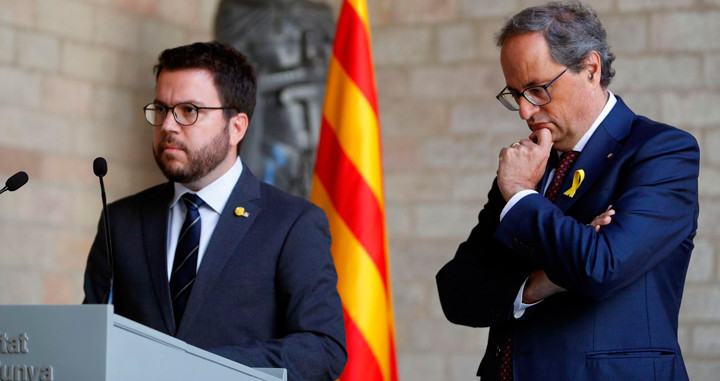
571	29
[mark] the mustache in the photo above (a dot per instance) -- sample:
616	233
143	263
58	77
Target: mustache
170	140
536	120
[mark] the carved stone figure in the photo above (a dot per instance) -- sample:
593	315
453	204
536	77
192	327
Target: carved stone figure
290	44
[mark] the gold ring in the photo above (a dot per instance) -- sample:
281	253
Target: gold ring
516	144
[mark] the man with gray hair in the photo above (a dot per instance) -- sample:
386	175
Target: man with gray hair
579	258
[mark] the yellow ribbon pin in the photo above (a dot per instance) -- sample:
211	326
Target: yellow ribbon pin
240	212
577	180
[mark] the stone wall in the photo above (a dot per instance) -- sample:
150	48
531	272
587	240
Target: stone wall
75	73
437	74
74	76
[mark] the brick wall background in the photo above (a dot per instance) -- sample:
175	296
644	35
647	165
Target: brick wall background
74	75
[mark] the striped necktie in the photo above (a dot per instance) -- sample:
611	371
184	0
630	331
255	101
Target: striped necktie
186	256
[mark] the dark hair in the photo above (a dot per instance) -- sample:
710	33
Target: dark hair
571	29
234	75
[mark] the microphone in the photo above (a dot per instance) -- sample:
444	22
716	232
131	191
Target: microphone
100	170
15	181
100	167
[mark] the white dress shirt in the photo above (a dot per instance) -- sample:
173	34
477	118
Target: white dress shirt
519	306
215	195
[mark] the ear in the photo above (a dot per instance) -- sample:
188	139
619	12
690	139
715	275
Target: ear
592	66
238	127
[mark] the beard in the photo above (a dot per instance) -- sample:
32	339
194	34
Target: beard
199	161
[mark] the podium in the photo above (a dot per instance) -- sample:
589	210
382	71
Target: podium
91	343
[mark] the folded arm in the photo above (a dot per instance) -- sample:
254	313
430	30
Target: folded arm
656	202
478	286
539	286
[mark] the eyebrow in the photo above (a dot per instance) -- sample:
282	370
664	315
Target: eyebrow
194	102
536	83
533	83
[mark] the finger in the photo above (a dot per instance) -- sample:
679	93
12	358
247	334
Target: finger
502	152
601	220
525	142
606	216
597	228
608	213
543	137
604	221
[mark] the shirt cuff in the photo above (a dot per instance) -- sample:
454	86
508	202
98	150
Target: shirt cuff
514	200
519	307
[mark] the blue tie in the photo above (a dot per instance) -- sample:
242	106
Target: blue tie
186	256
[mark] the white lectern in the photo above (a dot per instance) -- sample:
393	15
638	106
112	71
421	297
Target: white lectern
91	343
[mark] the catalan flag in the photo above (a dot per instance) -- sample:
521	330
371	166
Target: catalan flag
348	185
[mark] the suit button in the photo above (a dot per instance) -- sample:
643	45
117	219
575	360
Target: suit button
497	351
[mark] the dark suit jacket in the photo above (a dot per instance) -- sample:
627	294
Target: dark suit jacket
265	293
619	318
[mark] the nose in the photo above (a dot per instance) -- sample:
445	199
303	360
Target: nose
527	109
169	123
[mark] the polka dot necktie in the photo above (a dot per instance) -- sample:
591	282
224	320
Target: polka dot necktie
506	366
566	161
186	256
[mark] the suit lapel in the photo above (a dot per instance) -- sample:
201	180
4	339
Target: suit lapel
224	242
155	244
600	151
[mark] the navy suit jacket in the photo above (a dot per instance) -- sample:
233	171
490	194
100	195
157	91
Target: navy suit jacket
618	319
265	293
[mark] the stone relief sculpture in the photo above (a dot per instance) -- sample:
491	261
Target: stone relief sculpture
290	44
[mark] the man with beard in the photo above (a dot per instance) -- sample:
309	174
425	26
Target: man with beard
215	257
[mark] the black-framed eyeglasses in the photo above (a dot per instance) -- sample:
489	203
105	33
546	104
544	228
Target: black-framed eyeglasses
185	114
537	95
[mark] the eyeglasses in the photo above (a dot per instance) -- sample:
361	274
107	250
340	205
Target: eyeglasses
185	114
537	95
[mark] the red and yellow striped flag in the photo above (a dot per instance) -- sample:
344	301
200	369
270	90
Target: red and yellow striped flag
347	184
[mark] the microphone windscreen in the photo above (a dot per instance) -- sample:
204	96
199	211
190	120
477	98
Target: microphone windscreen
100	167
16	181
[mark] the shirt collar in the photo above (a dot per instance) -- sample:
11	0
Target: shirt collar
605	111
216	193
